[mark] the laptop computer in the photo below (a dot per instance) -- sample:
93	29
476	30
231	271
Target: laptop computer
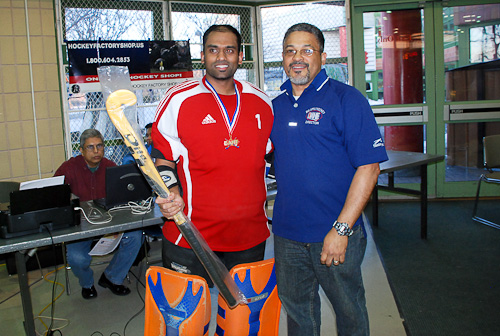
124	184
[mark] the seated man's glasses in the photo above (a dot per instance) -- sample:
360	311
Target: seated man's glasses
92	148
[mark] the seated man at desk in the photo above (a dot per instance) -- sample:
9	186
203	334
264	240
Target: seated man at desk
85	174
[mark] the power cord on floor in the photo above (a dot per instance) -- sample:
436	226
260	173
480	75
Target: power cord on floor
138	293
49	329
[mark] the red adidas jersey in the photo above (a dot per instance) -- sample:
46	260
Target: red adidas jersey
220	160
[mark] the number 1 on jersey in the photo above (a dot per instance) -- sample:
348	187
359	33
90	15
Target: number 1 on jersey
257	116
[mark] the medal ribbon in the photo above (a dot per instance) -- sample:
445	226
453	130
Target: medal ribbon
230	124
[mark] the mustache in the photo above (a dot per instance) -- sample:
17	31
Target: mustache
298	63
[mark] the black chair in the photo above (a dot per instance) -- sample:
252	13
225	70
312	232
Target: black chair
151	233
491	162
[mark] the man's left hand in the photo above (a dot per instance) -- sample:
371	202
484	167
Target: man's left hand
334	248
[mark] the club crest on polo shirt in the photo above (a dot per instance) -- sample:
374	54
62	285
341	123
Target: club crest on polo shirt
313	115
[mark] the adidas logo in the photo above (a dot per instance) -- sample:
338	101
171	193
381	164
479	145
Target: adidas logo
378	143
208	120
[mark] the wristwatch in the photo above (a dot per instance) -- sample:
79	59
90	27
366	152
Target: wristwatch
343	229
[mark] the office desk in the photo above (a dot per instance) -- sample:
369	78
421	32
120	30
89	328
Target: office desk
399	160
122	220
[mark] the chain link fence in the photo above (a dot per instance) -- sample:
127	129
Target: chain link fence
143	20
162	20
329	17
91	20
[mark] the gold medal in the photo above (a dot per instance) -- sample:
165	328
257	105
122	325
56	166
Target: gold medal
231	142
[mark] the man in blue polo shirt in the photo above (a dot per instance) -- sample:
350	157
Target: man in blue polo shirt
327	153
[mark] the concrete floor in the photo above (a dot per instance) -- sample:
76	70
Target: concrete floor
114	315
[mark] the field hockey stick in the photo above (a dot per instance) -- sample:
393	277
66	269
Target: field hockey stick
115	106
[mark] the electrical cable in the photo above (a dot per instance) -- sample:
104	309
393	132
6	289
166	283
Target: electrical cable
138	293
140	208
49	329
101	334
40	317
94	212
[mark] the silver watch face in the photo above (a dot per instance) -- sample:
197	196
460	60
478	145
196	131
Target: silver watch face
343	229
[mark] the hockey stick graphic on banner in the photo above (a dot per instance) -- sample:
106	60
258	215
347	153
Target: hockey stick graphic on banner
115	105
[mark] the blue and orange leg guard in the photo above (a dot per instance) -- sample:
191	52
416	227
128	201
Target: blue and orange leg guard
176	304
260	317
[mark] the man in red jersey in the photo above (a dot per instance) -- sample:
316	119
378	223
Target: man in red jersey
211	136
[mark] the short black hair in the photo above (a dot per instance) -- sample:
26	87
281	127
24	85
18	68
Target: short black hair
148	125
225	29
308	28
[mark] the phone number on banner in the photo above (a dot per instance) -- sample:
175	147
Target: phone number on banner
94	60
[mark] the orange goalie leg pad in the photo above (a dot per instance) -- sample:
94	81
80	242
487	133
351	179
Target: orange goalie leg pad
176	304
260	317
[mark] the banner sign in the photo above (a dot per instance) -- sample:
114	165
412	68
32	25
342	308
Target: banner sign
151	64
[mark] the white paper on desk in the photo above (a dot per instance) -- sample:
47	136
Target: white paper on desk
45	182
106	244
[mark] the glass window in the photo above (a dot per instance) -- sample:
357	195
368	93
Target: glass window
108	24
393	134
192	26
472	73
395	73
327	16
89	20
472	52
394	57
190	21
464	149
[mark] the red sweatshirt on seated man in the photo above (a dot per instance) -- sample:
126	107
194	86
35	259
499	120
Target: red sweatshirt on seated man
85	174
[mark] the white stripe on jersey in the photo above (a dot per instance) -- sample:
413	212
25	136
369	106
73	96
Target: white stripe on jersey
172	91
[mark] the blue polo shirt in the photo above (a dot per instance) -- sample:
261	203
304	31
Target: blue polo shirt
319	140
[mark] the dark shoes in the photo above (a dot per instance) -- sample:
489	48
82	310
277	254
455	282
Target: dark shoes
89	293
116	289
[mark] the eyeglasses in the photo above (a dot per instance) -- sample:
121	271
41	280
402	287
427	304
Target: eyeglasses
307	52
92	148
